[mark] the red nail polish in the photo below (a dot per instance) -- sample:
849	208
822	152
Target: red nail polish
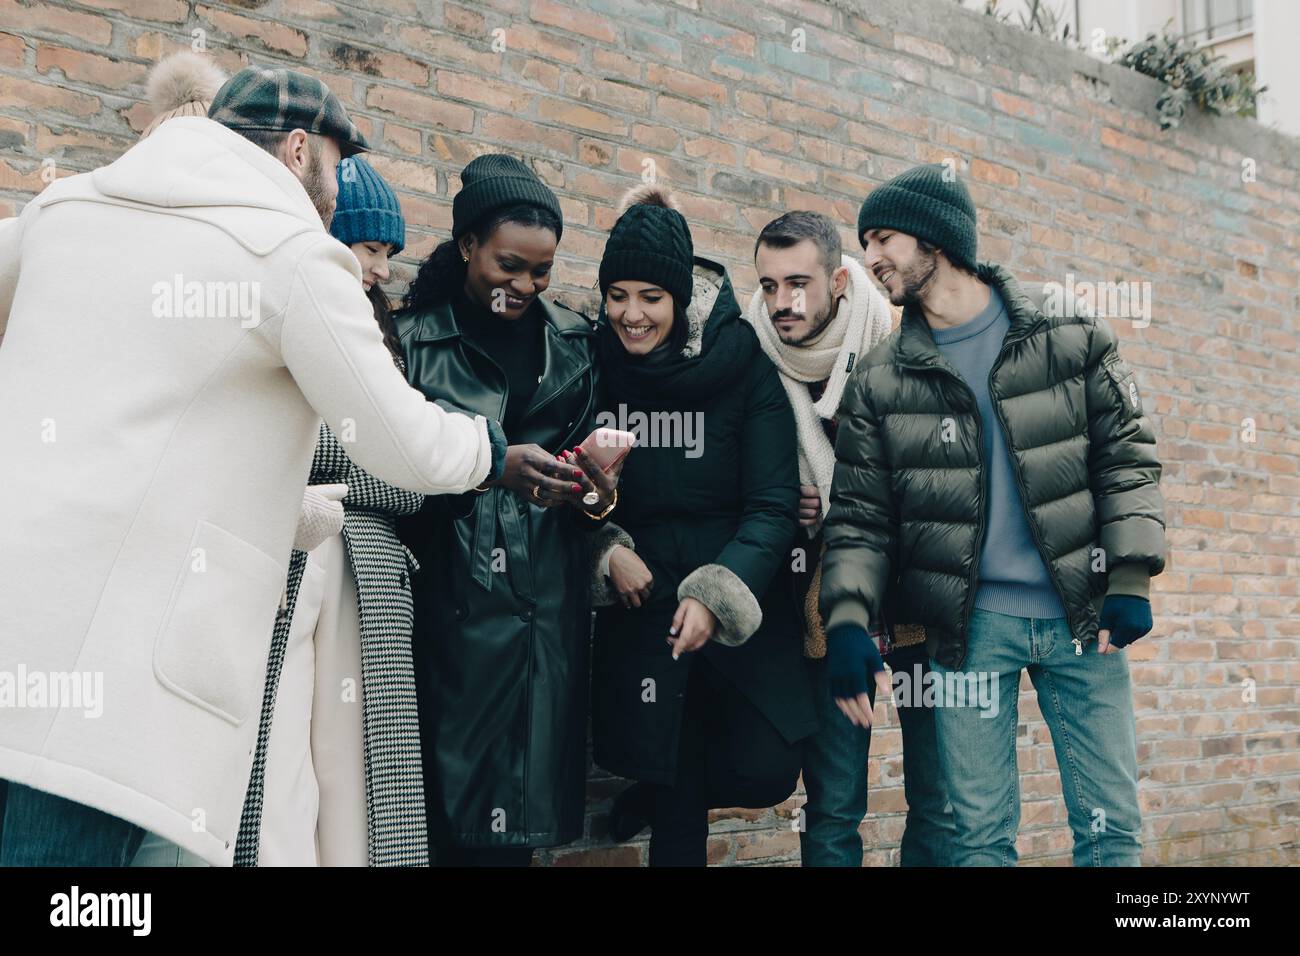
577	488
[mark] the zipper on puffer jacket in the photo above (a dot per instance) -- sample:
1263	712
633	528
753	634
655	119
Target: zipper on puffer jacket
973	583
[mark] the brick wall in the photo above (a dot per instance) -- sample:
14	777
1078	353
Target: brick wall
1070	174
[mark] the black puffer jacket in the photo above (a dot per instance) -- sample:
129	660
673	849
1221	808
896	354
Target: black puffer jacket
715	522
906	520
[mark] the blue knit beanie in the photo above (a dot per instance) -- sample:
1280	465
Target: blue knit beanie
367	209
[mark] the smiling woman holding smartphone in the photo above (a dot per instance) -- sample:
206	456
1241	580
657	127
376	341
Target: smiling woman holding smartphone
699	690
502	607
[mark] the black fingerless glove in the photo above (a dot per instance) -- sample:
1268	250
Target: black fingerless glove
852	660
1127	617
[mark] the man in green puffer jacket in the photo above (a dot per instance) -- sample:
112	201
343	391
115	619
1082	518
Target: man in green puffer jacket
996	484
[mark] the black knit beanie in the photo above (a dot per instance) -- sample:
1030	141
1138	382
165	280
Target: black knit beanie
651	242
493	182
920	203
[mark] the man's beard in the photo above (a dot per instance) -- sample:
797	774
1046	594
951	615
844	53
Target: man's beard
916	279
314	182
818	327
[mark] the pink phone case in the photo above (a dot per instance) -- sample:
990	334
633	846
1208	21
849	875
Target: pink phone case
608	446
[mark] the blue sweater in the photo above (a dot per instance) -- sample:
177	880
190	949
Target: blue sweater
1012	576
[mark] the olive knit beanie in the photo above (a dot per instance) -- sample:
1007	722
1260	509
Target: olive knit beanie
929	203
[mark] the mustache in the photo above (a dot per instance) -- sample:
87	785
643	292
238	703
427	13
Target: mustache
787	314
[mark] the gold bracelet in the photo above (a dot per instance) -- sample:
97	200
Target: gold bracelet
608	508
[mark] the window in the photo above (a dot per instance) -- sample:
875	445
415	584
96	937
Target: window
1213	19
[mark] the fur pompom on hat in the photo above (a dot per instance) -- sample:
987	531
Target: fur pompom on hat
648	194
182	84
650	242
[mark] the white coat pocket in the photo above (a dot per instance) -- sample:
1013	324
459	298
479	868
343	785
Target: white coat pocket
213	644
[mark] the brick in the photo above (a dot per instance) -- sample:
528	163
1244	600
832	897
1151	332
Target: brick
762	136
381	63
750	72
418	211
403	173
927	49
162	11
766	845
508	130
23	94
70	137
546	75
599	856
463	20
712	150
623	97
441	47
89	68
656	137
994	173
595	152
583	22
807	11
13	50
802	117
778	168
42	18
421	108
499	96
266	33
138	117
615	61
1113	139
313	10
581	117
672	110
689	85
654	43
403	137
526	38
716	35
636	162
30	181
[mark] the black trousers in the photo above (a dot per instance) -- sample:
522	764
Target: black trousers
730	755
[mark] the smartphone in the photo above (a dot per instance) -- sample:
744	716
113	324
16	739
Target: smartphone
608	446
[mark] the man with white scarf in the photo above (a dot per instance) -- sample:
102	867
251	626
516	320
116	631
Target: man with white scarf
817	314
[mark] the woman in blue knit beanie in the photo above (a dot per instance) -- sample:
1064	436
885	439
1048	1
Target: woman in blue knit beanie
368	220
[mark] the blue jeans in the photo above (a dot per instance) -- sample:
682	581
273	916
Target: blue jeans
1087	702
835	780
41	829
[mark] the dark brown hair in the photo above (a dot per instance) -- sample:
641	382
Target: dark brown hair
384	319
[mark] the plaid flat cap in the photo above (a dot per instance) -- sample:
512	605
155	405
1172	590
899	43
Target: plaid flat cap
256	98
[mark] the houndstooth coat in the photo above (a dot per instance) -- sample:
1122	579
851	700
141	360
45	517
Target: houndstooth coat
383	568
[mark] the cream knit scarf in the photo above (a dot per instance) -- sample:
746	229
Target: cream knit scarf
862	320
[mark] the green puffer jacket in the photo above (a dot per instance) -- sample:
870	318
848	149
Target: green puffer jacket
906	520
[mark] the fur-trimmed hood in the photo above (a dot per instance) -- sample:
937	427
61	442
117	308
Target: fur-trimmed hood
712	299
